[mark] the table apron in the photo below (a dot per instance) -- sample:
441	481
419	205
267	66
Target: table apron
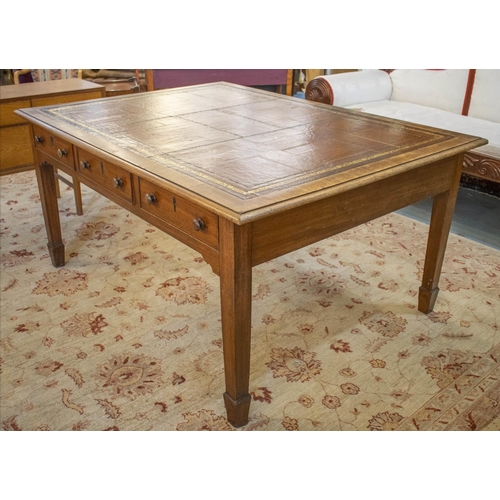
287	231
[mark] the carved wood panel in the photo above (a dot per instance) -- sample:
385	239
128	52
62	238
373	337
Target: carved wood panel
484	167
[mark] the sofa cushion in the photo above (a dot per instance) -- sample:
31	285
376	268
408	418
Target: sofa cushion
442	89
485	100
438	118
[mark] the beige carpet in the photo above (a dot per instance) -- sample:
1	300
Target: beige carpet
127	335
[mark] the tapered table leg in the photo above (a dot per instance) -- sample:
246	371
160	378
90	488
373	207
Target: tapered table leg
236	301
77	189
441	218
48	196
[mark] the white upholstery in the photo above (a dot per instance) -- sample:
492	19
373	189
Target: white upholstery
485	102
362	86
442	89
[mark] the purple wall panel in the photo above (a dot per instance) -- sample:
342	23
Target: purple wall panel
169	78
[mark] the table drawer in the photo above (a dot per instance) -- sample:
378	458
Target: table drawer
180	213
106	174
53	146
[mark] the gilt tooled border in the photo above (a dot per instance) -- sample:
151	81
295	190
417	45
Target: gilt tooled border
324	170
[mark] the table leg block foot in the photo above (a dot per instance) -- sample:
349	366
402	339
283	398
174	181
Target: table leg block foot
237	411
427	299
57	255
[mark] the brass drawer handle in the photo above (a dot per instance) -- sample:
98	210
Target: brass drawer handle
85	164
118	182
62	152
150	199
38	139
198	224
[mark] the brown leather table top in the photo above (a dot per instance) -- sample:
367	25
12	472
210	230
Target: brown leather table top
246	150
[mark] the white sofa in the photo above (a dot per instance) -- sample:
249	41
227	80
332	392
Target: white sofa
461	100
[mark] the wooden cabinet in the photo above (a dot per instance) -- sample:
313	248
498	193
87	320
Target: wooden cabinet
16	152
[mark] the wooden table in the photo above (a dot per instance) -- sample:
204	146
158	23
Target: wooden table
244	176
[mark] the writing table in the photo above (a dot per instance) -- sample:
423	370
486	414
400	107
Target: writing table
243	176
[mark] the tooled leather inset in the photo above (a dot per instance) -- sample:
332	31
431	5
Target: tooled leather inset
243	141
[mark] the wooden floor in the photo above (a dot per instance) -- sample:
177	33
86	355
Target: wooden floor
477	216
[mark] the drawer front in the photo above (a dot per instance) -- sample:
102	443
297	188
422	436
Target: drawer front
63	99
15	147
7	115
41	158
53	146
104	173
180	213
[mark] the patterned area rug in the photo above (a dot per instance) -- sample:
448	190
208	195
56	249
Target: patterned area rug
127	335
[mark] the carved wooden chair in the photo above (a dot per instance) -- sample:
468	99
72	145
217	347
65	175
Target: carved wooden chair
41	75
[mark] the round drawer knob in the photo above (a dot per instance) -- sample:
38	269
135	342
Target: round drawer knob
61	153
85	164
198	224
38	139
118	182
150	198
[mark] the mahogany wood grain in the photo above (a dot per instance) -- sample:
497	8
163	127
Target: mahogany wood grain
285	232
105	174
236	303
179	212
48	198
441	218
259	174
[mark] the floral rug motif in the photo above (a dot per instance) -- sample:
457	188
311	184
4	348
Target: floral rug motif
127	335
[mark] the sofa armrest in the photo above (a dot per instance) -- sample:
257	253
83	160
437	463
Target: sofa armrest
345	89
